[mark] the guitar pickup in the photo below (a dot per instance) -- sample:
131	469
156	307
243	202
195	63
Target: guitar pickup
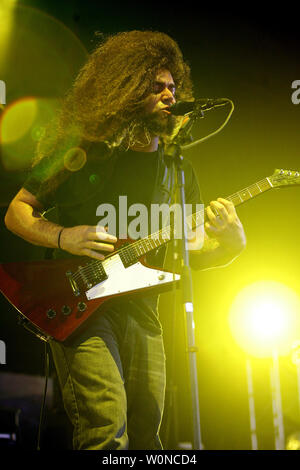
86	277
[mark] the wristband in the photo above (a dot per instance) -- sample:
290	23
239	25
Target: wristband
58	240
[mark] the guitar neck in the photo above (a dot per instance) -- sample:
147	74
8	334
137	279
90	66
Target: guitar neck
250	192
164	235
238	198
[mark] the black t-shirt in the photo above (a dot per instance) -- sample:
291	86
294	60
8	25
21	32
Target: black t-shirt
78	194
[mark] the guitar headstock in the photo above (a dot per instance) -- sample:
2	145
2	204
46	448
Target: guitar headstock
284	178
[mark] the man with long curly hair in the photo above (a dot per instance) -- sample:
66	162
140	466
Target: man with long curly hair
107	141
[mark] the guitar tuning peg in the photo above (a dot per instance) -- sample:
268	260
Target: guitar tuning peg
281	172
289	173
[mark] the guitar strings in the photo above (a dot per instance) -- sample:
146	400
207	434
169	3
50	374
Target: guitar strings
93	265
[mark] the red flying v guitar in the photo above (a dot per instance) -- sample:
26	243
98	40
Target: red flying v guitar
55	297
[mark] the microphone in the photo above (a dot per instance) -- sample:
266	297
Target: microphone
203	104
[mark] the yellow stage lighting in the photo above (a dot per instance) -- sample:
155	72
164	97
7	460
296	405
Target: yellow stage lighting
265	317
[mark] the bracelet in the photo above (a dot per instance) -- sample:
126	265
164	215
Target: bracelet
58	240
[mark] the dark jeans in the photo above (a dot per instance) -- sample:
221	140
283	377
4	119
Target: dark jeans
112	378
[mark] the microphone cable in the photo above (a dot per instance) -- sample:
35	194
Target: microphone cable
202	139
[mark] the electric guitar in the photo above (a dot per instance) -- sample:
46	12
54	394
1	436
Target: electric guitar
55	297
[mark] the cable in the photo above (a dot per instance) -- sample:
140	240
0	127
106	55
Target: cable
188	146
44	396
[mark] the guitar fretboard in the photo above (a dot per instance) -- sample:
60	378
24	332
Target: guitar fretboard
164	235
250	192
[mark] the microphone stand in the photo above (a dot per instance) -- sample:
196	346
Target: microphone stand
173	152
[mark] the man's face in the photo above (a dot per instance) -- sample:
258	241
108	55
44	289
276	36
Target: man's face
158	119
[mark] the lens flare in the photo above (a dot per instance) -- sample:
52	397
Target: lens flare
17	120
75	159
22	125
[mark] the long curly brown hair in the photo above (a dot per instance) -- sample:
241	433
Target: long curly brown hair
108	94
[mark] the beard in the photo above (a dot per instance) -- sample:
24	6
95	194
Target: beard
160	123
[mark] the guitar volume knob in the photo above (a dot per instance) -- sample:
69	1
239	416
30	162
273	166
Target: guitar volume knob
66	310
81	306
51	313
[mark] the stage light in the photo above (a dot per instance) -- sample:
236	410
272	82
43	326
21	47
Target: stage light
265	317
293	441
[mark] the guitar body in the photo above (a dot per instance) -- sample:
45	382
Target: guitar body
42	293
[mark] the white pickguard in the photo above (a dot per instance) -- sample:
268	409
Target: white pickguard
121	279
